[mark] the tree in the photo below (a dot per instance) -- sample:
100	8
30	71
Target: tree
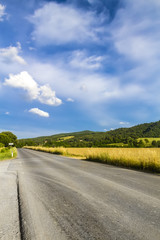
146	140
158	143
11	136
4	139
141	143
154	143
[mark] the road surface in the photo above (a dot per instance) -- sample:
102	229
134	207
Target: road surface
61	198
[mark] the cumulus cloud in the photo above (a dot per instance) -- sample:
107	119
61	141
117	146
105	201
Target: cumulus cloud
39	112
11	61
48	96
2	12
60	24
24	81
11	55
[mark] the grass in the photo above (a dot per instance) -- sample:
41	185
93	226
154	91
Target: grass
150	139
64	138
146	159
118	144
149	144
6	153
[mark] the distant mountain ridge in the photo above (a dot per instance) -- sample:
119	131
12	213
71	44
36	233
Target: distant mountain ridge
100	139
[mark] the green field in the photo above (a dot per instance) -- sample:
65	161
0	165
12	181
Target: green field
6	153
64	138
150	140
117	145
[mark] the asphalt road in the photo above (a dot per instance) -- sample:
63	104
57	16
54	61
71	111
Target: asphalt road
62	198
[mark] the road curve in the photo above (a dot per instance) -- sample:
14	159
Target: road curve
63	199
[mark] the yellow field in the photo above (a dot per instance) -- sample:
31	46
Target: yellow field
138	158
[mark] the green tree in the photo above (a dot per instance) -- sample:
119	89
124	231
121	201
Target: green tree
11	136
1	145
141	143
4	139
154	143
158	143
146	140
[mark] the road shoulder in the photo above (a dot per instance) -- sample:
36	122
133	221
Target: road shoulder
9	209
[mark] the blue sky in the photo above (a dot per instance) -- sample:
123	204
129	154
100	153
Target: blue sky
72	65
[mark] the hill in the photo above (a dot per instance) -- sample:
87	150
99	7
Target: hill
98	139
139	131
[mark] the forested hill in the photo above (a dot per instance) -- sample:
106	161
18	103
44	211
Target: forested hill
90	138
139	131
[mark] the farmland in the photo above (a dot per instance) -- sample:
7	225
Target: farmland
138	136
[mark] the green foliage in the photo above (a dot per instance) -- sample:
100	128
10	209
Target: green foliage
11	136
128	137
146	140
4	139
6	153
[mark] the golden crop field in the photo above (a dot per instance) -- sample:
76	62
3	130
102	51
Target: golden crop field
137	158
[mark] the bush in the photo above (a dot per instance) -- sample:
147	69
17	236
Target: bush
3	150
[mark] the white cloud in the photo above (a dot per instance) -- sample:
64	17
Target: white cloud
79	59
60	23
39	112
24	81
135	30
31	48
7	113
48	96
2	12
124	123
11	54
70	100
87	87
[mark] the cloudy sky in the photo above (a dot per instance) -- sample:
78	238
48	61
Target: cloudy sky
71	65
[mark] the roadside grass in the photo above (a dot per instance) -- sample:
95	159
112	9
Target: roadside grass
6	153
146	159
